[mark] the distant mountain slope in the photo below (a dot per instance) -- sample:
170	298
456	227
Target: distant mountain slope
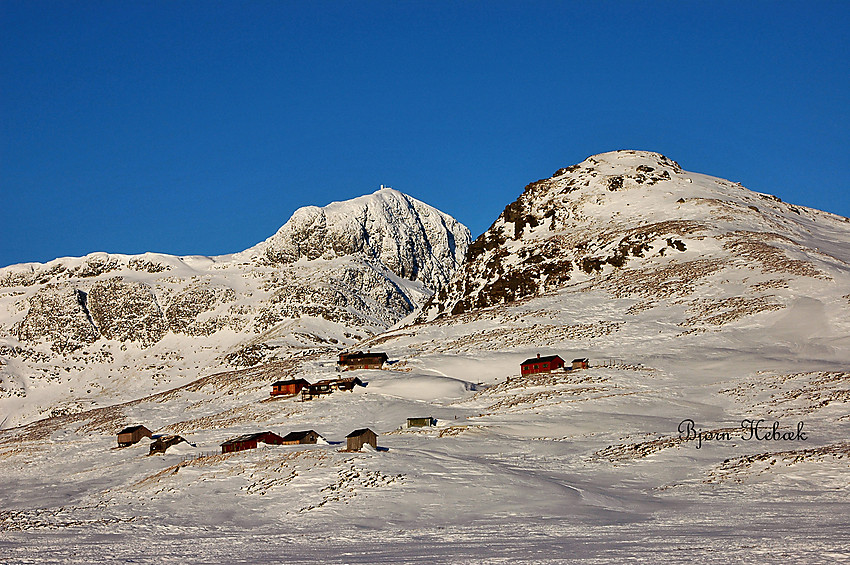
107	322
637	224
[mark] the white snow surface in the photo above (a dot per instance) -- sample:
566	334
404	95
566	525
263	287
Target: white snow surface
583	465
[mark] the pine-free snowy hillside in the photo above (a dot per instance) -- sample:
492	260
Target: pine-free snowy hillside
693	299
83	332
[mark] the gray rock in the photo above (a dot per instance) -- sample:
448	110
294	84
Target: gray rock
126	311
58	314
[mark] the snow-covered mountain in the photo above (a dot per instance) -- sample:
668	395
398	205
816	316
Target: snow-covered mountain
329	278
413	240
693	298
635	224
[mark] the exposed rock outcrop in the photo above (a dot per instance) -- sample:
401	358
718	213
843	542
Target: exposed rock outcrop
58	314
126	311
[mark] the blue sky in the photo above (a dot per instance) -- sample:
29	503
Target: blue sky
199	127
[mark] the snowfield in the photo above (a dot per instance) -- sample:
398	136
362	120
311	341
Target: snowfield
597	465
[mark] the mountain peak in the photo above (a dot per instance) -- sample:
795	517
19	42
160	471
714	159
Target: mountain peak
412	239
627	210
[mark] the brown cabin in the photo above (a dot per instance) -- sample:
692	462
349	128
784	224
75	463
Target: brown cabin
421	422
541	364
360	360
318	389
250	441
359	438
132	434
348	383
289	387
580	363
296	438
328	386
162	443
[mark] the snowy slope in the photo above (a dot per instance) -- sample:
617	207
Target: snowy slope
77	333
584	465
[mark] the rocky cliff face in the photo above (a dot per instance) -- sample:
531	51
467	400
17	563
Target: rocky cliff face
126	311
58	315
637	223
413	240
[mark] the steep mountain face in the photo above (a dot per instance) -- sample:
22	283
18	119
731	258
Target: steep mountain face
329	278
413	240
638	225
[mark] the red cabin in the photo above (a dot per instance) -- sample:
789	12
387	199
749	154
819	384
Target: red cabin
288	387
541	364
250	441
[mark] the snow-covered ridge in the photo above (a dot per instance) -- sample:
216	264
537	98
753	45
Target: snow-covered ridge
628	210
412	239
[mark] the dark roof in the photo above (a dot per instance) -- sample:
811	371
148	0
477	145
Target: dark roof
131	429
359	432
354	380
290	382
295	436
247	437
541	359
358	355
582	360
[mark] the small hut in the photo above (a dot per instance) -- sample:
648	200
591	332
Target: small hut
289	387
298	438
360	360
421	422
132	434
162	443
580	363
358	438
541	364
250	441
318	389
348	383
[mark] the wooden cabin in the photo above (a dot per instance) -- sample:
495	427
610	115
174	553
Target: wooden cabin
421	422
132	434
289	387
358	438
580	363
360	360
297	438
250	441
348	383
162	443
541	364
318	389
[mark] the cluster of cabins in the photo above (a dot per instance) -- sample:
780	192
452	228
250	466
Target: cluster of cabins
310	391
356	439
347	362
160	444
548	364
